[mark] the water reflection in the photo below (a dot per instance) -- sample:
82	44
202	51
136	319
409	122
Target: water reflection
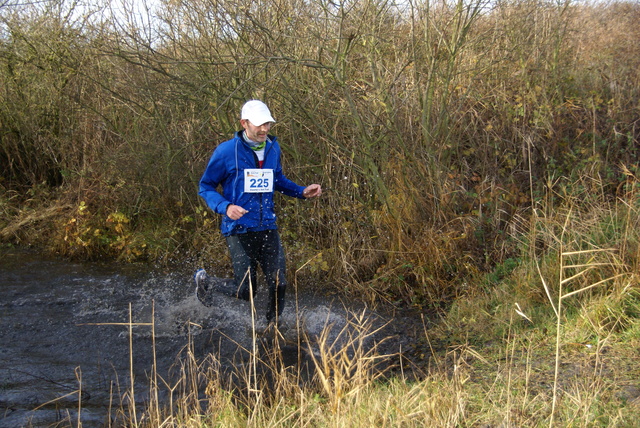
64	328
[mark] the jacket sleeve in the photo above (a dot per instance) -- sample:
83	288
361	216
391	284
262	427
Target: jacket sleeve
215	174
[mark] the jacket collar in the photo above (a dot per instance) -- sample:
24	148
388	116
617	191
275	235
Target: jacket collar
270	139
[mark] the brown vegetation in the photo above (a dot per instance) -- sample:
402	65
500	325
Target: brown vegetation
437	129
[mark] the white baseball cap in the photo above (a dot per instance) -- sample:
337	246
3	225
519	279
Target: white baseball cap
256	112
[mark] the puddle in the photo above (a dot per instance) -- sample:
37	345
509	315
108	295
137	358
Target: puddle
64	325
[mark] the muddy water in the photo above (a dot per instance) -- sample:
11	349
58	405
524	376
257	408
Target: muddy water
63	328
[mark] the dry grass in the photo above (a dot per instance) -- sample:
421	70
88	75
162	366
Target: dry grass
527	369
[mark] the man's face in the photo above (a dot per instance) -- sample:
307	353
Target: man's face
256	133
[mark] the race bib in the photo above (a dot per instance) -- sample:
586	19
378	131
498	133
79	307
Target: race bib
258	180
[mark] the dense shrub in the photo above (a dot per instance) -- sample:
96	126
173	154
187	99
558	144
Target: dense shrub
437	129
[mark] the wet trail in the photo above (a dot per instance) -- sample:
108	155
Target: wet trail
63	326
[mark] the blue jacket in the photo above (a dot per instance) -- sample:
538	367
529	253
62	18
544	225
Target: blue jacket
226	167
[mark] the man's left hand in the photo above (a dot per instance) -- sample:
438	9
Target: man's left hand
312	191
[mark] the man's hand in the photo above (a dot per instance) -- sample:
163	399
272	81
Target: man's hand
234	212
312	191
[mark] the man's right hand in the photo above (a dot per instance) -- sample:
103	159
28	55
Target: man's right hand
234	212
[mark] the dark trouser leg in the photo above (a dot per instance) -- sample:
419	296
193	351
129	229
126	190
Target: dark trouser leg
243	250
251	248
272	261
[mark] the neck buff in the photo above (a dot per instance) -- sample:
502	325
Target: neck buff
255	146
